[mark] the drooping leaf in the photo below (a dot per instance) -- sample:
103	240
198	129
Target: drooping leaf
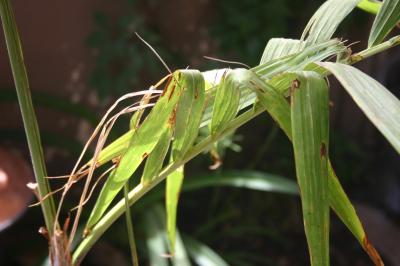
325	21
387	18
266	71
342	206
173	187
338	199
143	141
310	133
202	254
188	117
378	104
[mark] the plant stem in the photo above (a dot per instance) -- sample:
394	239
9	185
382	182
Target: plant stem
28	114
392	42
370	6
129	227
140	190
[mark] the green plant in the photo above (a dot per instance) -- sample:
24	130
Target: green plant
224	100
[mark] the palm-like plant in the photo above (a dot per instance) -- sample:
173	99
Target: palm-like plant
165	139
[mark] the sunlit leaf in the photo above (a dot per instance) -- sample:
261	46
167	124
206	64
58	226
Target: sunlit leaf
387	18
378	104
310	133
325	21
143	141
338	199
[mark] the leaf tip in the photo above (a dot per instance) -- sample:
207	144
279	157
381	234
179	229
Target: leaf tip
372	252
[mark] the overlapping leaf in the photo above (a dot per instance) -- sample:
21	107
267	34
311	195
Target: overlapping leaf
143	141
310	133
325	21
387	18
378	104
187	122
338	199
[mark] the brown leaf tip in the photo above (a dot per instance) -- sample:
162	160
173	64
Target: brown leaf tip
372	252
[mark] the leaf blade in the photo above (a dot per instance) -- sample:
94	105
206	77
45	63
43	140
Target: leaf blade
386	19
310	132
377	103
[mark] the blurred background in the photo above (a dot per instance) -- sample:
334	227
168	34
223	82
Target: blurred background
82	55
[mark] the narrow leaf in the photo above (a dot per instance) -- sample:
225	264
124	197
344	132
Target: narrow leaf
325	21
143	141
310	129
187	122
156	158
173	187
338	199
385	21
378	104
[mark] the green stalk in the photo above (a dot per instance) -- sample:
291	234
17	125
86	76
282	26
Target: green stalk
140	190
129	227
28	114
370	6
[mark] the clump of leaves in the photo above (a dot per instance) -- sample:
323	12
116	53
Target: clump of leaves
289	84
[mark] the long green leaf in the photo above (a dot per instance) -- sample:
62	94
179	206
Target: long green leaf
385	21
143	141
172	191
20	75
310	132
325	21
338	199
378	104
188	117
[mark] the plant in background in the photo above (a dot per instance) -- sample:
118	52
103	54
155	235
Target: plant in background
161	141
120	61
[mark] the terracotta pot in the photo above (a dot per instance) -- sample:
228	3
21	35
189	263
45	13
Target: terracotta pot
15	173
